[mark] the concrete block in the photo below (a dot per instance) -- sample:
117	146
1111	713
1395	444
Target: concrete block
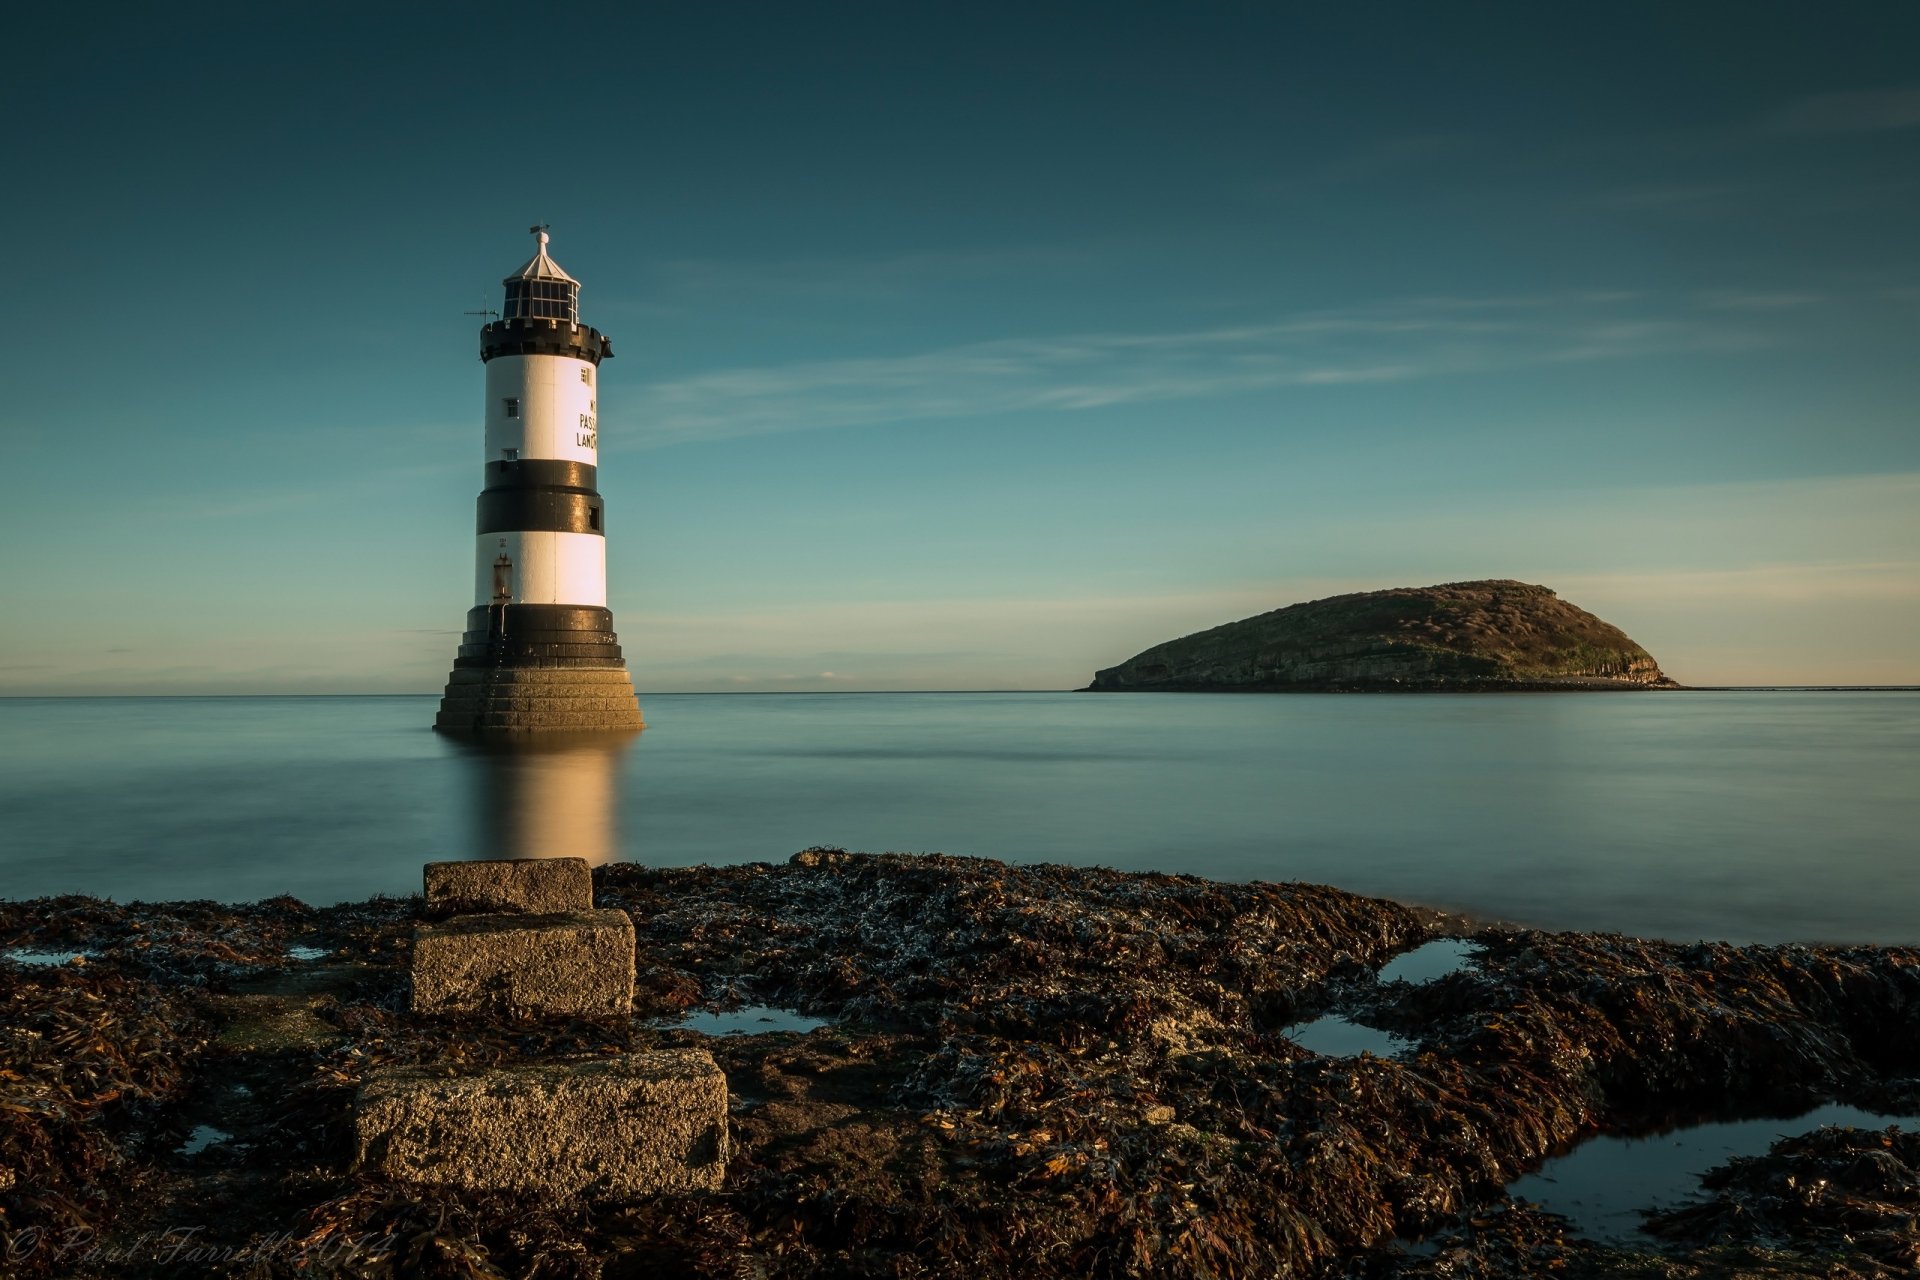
577	963
606	1128
533	886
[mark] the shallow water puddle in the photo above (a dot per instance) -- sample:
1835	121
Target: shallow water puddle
1429	961
202	1137
1601	1185
748	1020
28	956
308	953
1335	1037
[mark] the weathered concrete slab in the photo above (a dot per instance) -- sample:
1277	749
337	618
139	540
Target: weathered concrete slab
605	1128
577	963
533	886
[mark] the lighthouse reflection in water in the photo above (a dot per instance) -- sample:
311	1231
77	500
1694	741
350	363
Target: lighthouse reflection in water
555	796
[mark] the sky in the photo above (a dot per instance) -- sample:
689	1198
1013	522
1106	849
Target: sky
963	346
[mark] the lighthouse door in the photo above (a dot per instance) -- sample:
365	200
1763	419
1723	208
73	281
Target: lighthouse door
503	580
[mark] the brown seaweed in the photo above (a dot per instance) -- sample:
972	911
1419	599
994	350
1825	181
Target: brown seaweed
1848	1189
1032	1070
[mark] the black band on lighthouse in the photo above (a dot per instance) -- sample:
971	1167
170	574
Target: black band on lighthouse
544	338
542	473
545	617
537	635
539	511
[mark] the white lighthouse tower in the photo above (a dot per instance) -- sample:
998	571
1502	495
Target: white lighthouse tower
540	653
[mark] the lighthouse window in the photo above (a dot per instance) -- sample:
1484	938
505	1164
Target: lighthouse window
593	518
513	407
542	300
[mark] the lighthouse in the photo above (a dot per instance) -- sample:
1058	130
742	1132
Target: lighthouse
539	654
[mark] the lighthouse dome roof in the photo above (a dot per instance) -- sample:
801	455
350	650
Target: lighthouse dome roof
540	266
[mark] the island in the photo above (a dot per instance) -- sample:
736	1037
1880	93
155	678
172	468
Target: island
1495	634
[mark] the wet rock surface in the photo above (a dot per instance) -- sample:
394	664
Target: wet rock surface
1853	1190
1029	1070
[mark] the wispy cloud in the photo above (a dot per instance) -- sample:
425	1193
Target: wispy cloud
678	283
1774	569
1864	111
1413	338
1827	582
1759	299
1035	641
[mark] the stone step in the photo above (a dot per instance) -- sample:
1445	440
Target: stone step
527	886
561	698
520	652
538	699
557	720
555	689
539	662
615	1128
546	700
540	675
571	963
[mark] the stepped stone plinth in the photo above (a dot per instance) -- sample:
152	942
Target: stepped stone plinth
512	700
604	1128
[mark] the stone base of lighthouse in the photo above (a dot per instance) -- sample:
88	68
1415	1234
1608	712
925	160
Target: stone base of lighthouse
539	669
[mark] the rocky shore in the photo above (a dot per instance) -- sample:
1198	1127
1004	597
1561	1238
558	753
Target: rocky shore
1022	1070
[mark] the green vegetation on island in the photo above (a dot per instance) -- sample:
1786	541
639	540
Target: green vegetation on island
1492	634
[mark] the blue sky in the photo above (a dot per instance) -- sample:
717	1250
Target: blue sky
965	346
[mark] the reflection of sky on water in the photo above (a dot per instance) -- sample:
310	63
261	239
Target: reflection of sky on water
1429	961
38	959
1336	1037
550	796
202	1137
1748	816
747	1020
1602	1185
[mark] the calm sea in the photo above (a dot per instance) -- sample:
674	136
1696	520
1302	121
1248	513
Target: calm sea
1755	816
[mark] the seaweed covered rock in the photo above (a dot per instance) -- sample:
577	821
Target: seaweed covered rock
1494	634
1851	1189
1028	1071
85	1053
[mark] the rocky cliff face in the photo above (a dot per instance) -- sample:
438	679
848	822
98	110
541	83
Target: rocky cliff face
1495	634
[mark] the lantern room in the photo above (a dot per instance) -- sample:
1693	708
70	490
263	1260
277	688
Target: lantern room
540	290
